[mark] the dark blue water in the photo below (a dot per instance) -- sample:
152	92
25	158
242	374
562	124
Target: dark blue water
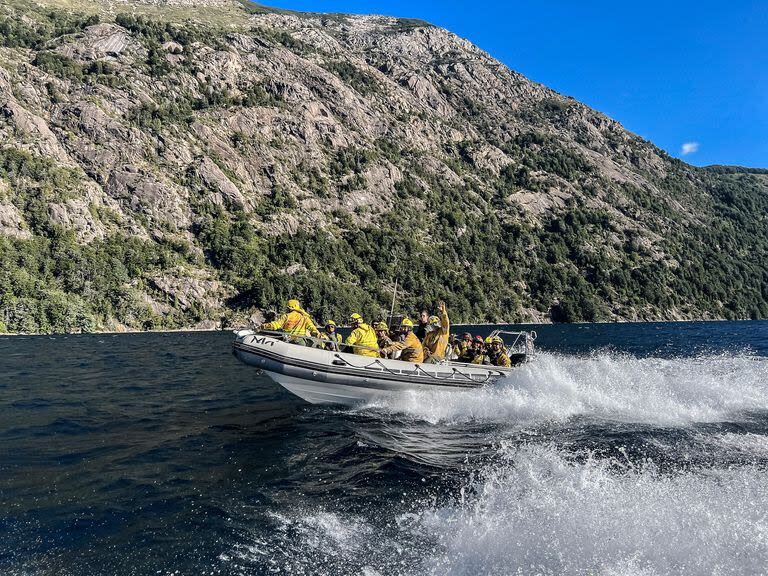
620	449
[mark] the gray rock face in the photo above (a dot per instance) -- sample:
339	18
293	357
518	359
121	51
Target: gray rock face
214	178
75	214
142	194
301	122
187	290
34	129
102	42
12	223
419	81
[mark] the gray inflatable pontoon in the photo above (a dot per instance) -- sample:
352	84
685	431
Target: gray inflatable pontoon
327	377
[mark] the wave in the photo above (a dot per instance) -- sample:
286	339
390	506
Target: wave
544	512
605	386
517	495
539	510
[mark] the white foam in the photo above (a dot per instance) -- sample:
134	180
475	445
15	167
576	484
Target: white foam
541	512
541	509
605	386
321	542
744	446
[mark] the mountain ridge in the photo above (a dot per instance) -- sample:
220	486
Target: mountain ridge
223	167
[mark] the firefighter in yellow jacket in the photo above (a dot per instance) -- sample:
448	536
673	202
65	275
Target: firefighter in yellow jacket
498	354
363	338
436	340
412	350
295	322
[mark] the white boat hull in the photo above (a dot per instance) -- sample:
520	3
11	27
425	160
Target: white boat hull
326	393
326	377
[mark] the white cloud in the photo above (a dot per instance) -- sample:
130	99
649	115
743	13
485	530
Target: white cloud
689	148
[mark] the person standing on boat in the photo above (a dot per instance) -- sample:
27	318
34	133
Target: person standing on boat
421	330
454	348
498	355
331	335
409	345
363	338
436	340
296	322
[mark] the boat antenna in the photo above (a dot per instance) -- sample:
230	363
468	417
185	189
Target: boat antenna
392	309
394	296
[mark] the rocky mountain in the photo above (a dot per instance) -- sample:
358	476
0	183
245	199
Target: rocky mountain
182	163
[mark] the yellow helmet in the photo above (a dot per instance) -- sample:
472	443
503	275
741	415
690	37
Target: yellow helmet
330	323
293	305
497	340
380	326
407	322
434	321
356	317
488	340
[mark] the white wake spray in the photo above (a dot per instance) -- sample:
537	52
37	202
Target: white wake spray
540	512
606	386
535	507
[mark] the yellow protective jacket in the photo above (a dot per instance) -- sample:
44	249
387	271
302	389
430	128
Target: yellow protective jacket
436	341
501	359
412	350
296	322
364	335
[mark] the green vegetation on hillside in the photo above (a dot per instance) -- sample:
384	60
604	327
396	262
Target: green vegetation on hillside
349	74
53	284
721	169
18	33
481	270
501	215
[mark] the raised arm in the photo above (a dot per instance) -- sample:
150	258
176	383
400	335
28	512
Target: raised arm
445	323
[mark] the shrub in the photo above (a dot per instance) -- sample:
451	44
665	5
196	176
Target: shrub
362	82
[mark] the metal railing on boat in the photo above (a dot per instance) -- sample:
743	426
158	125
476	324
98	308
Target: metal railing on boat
523	342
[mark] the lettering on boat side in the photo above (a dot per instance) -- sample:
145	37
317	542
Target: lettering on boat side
262	340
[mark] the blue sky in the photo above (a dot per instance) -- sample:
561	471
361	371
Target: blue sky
692	73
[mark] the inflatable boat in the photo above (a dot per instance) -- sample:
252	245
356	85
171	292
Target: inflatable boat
322	376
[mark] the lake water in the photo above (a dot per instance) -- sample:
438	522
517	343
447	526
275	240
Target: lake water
623	449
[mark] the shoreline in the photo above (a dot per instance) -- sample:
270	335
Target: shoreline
481	324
